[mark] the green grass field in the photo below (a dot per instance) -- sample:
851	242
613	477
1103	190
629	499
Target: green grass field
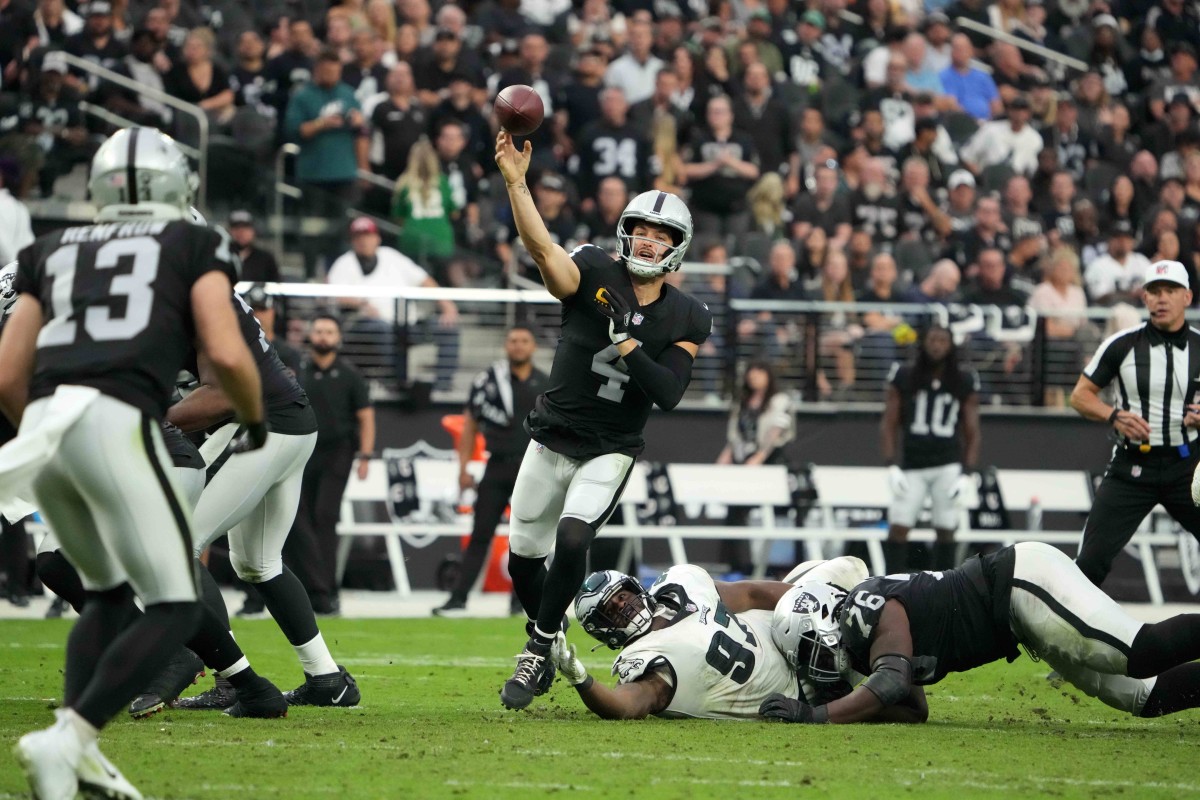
431	725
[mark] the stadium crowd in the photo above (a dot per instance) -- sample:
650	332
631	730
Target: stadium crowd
878	151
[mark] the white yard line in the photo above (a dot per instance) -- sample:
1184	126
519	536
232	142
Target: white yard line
1047	780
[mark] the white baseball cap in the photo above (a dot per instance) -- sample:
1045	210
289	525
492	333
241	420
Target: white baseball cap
960	177
1168	271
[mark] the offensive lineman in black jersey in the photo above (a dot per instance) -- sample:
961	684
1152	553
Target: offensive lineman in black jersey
907	631
108	318
628	341
934	405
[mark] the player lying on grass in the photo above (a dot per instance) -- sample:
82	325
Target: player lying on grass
909	631
691	646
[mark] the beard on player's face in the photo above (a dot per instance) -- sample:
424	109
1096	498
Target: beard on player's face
324	348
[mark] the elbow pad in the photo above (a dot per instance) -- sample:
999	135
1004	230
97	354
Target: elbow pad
665	380
890	679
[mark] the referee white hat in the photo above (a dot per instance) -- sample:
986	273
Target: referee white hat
1168	271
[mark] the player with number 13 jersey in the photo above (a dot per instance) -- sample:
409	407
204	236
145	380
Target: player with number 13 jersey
628	342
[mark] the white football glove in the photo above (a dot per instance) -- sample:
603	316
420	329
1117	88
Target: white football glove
962	487
1195	487
897	480
568	664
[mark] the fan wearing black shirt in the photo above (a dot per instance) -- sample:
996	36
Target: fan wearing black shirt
258	266
874	207
578	102
291	69
722	167
763	115
95	43
436	67
365	74
396	122
824	207
610	147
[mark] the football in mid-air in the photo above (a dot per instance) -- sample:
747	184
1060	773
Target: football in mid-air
519	110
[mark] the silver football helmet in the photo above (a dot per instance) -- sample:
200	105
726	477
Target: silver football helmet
140	173
805	629
614	627
660	208
196	217
8	296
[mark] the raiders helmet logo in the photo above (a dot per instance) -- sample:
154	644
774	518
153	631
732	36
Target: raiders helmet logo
806	604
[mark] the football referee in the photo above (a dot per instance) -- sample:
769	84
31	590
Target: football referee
1156	368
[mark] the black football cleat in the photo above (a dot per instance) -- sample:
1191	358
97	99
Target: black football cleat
220	697
336	689
260	699
184	669
532	677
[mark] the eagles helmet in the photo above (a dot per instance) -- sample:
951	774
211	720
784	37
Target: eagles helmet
140	173
660	208
8	296
805	629
615	628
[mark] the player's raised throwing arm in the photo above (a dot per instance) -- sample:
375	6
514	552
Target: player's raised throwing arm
559	272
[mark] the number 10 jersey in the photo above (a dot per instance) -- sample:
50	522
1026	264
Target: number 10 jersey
592	406
116	298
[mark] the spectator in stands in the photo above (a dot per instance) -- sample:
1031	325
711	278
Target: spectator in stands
991	286
1181	80
292	69
874	207
960	200
55	22
345	440
890	45
460	106
665	102
971	87
1121	202
258	265
711	78
170	37
1059	218
1117	143
1012	142
445	60
424	206
610	146
924	146
823	207
1149	64
722	167
550	196
462	174
338	34
666	158
987	232
1059	300
1019	217
145	64
762	114
840	330
921	219
939	286
599	225
804	58
634	71
760	425
1012	75
53	119
395	122
938	34
918	75
878	343
326	120
16	231
532	71
894	101
370	264
1177	124
810	141
782	282
1165	247
578	101
381	18
870	138
95	43
1116	276
594	20
365	73
18	34
196	79
1076	149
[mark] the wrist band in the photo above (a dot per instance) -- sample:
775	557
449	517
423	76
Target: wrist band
820	715
1113	416
587	684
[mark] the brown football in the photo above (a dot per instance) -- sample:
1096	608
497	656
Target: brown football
519	110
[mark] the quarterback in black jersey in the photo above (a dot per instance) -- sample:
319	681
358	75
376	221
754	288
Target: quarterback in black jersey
905	631
105	316
933	404
628	341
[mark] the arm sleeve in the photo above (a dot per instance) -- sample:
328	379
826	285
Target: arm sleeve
665	380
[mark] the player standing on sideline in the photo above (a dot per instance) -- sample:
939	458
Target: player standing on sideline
1157	369
908	631
501	397
934	404
109	321
628	341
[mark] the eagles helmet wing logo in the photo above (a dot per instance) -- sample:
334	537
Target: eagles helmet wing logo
806	604
628	666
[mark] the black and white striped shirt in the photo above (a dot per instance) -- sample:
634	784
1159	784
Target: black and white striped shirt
1157	374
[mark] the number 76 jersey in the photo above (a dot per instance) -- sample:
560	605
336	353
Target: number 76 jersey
721	666
116	298
593	407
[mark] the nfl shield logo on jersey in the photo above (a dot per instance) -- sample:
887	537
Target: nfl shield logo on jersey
637	318
1135	471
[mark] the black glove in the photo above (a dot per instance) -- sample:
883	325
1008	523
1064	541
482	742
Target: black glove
253	438
619	314
785	709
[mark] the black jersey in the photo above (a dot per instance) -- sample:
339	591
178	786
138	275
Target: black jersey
285	402
183	453
958	618
592	407
117	302
929	417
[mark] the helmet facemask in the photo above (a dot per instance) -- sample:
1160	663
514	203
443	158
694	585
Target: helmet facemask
819	657
627	244
615	627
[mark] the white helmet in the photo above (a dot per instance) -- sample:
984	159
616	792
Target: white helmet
616	628
660	208
8	297
140	173
196	217
805	629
